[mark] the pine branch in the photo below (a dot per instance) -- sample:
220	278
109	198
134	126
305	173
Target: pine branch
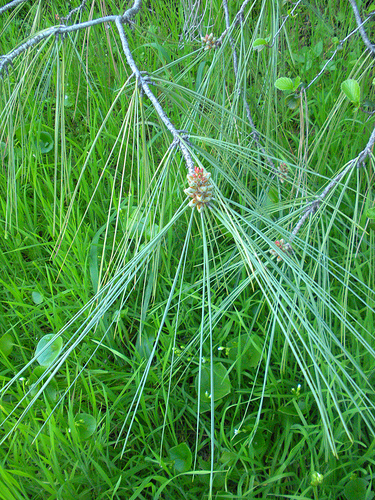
144	84
62	30
339	46
313	206
365	38
179	139
11	5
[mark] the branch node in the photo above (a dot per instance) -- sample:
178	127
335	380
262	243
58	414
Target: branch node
59	33
80	8
313	206
184	136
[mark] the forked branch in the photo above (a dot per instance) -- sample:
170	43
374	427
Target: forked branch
119	20
313	206
365	38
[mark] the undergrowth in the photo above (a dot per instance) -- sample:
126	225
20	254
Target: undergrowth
220	350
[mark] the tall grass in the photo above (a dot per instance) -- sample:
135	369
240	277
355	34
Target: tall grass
197	358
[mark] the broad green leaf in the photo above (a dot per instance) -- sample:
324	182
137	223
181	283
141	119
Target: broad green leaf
51	391
229	458
85	425
285	84
181	455
259	443
288	410
247	348
37	298
200	74
352	91
221	383
260	44
292	101
6	344
370	213
331	66
44	142
34	377
49	354
355	489
318	48
300	57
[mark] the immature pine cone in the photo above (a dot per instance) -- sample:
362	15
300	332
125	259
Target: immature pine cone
200	188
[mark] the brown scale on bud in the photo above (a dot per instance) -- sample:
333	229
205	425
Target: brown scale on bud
200	188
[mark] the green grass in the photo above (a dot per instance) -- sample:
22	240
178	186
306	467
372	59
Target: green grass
181	335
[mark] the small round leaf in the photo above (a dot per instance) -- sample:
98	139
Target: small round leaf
285	83
352	91
85	425
260	43
47	355
246	348
182	457
37	298
44	142
293	101
221	383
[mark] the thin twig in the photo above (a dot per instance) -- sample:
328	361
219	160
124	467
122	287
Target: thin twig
80	8
142	81
283	23
234	52
7	59
362	31
62	30
179	139
313	206
367	151
238	18
339	47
